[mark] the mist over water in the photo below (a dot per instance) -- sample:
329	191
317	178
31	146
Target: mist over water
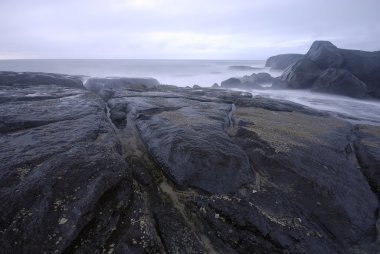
173	72
203	73
355	110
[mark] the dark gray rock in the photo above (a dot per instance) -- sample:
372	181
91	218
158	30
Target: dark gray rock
59	159
302	74
215	85
99	84
283	61
249	82
189	171
338	81
25	79
365	66
286	147
368	152
260	78
231	83
325	55
306	165
205	160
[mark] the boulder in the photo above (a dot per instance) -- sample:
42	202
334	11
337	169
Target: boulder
283	61
325	55
339	81
322	57
261	78
302	74
253	81
231	83
365	66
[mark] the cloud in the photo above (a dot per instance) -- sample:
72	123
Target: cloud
218	29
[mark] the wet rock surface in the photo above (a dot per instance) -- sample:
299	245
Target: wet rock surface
99	84
161	169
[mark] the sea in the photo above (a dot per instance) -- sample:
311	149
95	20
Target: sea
203	73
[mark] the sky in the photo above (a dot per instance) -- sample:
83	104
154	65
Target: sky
182	29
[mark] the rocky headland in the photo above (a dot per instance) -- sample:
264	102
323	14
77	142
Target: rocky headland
324	68
122	165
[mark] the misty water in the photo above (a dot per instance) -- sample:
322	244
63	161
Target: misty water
354	110
203	73
173	72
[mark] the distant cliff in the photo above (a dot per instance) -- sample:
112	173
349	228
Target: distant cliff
281	62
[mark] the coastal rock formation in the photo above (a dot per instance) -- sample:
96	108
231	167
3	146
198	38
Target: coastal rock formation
338	81
302	74
325	55
232	83
162	169
281	62
248	82
364	65
61	171
356	72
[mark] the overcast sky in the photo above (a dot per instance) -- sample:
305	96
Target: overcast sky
181	29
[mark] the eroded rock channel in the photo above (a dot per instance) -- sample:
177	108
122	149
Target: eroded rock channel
146	168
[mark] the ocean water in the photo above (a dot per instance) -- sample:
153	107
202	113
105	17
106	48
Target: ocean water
174	72
202	73
355	110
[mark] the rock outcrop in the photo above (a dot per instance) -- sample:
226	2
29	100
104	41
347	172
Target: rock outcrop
338	81
302	74
281	62
326	68
180	170
256	80
99	84
62	176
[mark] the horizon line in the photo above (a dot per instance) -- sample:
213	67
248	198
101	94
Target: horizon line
138	59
